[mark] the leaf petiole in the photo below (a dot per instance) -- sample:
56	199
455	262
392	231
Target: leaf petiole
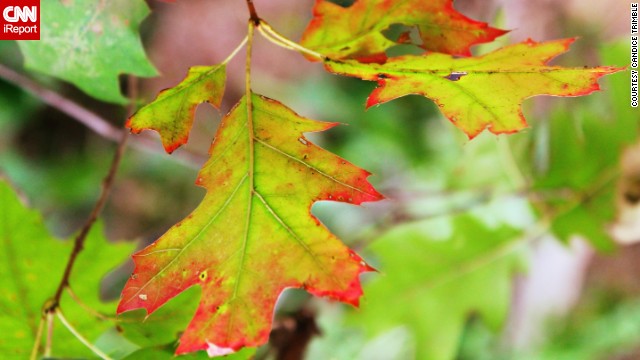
81	338
236	50
49	339
270	34
36	344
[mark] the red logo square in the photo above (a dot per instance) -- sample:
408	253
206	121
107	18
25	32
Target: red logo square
19	19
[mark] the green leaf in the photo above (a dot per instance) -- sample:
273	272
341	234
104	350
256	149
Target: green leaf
253	235
582	146
90	44
32	263
172	112
356	31
163	326
478	93
590	144
431	283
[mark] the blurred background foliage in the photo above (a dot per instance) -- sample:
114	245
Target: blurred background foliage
522	246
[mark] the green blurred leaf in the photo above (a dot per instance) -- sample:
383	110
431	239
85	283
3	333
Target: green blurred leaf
30	266
90	44
164	325
583	145
435	275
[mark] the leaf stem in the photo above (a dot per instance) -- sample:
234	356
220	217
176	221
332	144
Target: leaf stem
78	244
80	239
82	339
250	129
280	40
236	50
36	344
49	339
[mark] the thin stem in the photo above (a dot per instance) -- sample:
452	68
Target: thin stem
78	243
94	122
247	73
36	344
82	339
253	14
49	341
280	40
249	96
236	50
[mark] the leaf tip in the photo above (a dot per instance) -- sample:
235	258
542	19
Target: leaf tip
171	147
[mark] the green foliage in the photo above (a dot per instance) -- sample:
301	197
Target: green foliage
588	139
31	262
435	274
90	45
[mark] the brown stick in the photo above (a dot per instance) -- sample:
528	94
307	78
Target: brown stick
253	15
78	243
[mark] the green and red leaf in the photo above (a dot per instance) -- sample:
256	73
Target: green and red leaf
253	234
478	93
171	114
356	31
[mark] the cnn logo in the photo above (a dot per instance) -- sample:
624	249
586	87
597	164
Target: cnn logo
14	14
20	20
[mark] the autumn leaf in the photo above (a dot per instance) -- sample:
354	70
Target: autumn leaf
356	31
172	112
435	274
30	260
253	235
90	44
478	93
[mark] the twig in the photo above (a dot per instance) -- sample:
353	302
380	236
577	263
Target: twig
78	336
79	240
86	117
253	14
91	120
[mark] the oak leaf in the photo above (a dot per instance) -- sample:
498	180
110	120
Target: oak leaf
253	235
171	114
356	31
478	93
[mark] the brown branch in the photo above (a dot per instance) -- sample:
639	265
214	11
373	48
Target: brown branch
253	14
78	243
93	121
